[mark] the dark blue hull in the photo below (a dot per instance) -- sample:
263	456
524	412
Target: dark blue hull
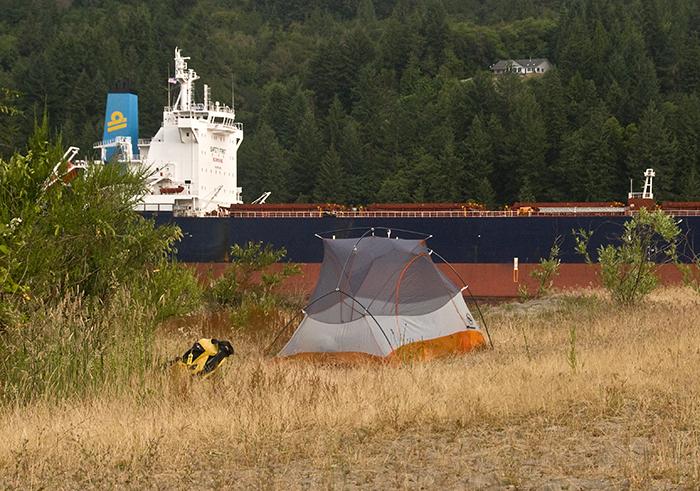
459	240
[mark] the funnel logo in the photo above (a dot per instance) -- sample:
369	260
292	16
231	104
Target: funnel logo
117	121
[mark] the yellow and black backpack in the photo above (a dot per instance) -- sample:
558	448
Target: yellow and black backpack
205	356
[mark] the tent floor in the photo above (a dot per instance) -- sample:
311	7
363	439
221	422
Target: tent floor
459	342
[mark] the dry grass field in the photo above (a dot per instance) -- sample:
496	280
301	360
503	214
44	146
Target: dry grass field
577	394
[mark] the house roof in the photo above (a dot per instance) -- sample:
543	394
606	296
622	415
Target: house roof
524	62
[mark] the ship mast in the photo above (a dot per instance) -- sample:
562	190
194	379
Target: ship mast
185	77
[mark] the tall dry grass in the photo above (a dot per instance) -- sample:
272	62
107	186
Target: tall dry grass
75	347
577	393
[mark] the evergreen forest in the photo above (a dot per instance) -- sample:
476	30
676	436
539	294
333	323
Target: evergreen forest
360	101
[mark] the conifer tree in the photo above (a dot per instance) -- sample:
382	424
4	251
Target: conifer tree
477	150
365	12
435	32
551	97
588	159
634	71
527	141
654	146
362	180
335	122
266	168
689	70
331	185
305	158
396	188
275	111
683	118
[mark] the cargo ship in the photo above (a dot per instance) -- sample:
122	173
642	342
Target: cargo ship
193	183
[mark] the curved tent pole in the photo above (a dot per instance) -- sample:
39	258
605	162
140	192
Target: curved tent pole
391	346
483	320
398	282
337	290
279	333
354	247
347	259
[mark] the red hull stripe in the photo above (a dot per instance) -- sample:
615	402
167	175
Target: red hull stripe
485	280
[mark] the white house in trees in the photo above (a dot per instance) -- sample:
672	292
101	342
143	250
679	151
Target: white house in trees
527	66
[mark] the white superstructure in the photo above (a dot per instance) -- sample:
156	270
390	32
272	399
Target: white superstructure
192	157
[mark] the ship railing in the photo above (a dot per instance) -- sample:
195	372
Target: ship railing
228	126
145	141
104	143
683	213
369	214
199	107
112	142
437	214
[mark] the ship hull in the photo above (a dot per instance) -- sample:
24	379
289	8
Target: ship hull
481	249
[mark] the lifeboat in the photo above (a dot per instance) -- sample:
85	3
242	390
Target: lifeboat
172	190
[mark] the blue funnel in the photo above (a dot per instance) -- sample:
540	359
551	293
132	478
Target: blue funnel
121	119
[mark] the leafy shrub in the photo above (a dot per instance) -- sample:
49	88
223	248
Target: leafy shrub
172	289
628	269
691	273
83	278
547	270
582	238
250	277
250	288
83	236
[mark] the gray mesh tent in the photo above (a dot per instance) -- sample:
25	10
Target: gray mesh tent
383	297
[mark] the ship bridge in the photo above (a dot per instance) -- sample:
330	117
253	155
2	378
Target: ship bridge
193	156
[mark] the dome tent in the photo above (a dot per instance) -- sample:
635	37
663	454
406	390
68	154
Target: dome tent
383	297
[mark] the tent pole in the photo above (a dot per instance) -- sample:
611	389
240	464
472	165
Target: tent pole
347	259
279	333
391	346
478	309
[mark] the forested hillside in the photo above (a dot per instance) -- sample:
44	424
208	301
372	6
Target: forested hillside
357	101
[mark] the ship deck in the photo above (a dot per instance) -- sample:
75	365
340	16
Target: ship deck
436	213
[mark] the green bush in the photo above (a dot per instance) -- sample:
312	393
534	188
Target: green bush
83	236
83	278
628	270
249	277
547	270
172	289
249	288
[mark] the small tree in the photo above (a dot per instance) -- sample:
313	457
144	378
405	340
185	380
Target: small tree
249	288
628	269
547	270
249	276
